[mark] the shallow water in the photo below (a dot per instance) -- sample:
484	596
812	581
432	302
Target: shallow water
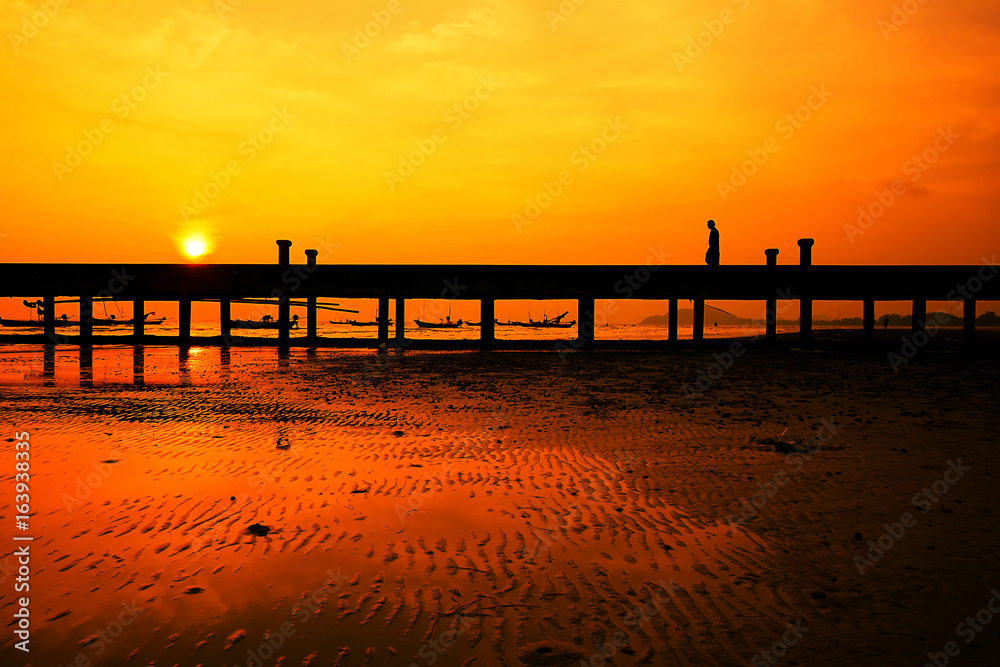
329	330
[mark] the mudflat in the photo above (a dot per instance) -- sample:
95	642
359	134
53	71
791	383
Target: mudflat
331	508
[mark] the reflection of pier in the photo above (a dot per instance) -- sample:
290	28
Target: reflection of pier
232	283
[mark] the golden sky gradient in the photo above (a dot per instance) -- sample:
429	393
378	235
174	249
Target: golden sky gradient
309	117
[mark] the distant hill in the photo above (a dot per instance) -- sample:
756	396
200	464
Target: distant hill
685	317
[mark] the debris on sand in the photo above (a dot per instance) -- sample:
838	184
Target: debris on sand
258	529
284	443
549	653
779	445
111	461
364	490
233	638
193	590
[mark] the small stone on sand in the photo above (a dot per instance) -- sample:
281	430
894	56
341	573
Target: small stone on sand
549	653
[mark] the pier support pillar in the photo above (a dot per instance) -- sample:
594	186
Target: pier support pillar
585	327
918	317
311	310
771	305
138	318
672	319
805	320
284	259
184	319
49	322
383	320
487	321
868	320
86	320
805	302
699	320
225	320
400	320
969	320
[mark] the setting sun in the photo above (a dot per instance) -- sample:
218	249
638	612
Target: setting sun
195	246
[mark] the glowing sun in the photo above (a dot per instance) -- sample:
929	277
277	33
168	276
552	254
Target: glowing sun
194	245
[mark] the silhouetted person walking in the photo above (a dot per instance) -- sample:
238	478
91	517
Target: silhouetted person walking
712	256
885	323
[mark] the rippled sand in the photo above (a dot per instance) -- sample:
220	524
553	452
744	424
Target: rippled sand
500	509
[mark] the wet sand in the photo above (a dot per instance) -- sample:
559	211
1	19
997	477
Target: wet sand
505	509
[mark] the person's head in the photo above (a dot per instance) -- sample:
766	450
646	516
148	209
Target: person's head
711	224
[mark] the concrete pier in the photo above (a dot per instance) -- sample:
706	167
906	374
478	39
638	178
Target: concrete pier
585	284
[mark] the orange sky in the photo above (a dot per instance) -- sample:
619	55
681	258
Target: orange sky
164	95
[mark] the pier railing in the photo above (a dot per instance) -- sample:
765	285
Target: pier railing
226	283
